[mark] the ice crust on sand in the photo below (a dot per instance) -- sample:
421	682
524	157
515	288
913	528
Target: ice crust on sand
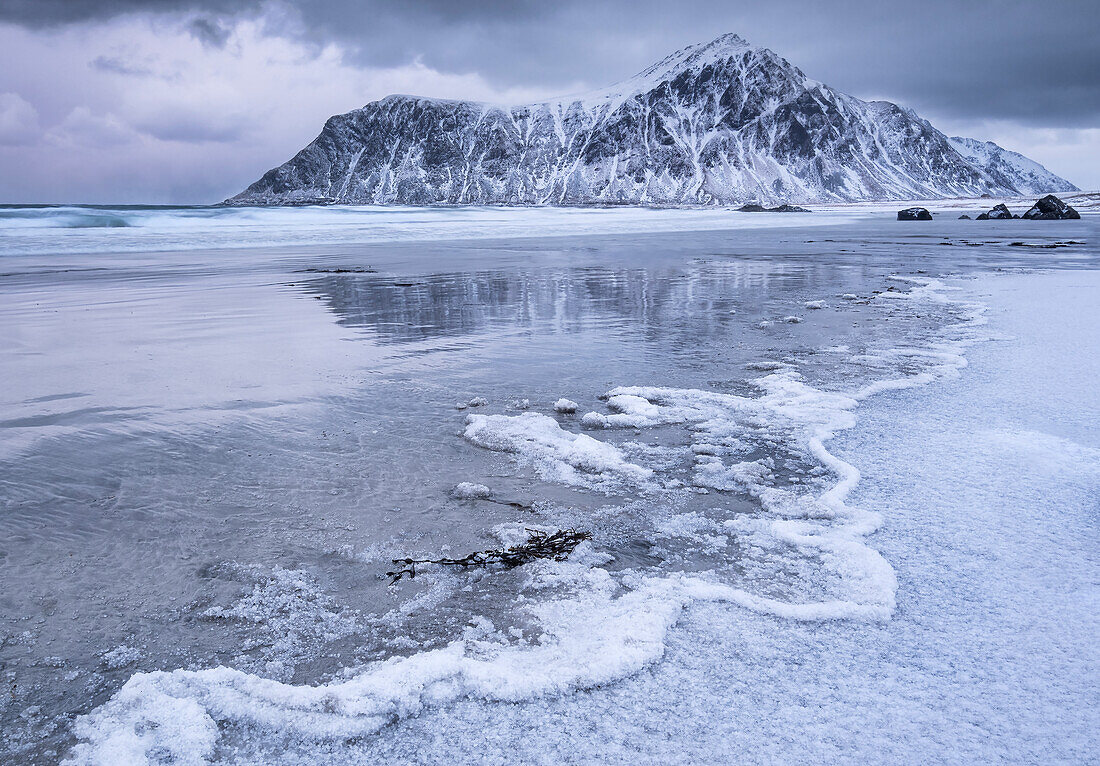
597	625
120	657
601	633
291	613
557	454
942	358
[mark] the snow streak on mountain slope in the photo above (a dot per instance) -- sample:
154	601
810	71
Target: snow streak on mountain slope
719	123
1010	168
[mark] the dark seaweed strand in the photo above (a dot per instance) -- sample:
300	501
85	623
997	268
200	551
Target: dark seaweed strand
540	545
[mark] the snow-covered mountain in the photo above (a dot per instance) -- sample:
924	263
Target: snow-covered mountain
1008	168
720	123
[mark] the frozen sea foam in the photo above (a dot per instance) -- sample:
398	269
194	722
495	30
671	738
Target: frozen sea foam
557	454
594	625
468	490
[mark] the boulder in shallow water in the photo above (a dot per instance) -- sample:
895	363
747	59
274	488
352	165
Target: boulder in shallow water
964	217
996	213
914	214
1050	208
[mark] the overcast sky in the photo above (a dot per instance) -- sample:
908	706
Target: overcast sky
191	100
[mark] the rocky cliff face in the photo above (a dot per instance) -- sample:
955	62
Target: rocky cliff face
720	123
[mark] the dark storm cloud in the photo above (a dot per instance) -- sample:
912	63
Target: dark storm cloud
1033	63
46	13
209	32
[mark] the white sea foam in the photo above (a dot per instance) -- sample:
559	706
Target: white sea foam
597	626
557	454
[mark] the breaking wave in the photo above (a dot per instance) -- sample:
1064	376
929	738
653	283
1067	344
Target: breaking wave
63	218
27	230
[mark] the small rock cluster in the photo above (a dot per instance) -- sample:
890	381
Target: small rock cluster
1049	208
752	207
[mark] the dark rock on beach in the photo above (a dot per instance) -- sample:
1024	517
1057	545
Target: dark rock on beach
964	217
752	207
1050	208
996	213
914	214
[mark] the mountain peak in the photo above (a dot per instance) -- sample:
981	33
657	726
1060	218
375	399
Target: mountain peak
722	47
690	58
729	40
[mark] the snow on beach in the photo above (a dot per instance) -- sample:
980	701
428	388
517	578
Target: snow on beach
597	626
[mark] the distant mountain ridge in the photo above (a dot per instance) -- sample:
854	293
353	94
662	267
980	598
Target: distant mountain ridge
720	123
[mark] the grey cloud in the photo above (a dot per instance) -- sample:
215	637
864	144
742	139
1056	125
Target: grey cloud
1010	59
194	128
1006	68
117	65
209	32
83	127
47	13
974	59
18	120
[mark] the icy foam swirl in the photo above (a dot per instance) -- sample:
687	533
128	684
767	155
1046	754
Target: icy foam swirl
596	626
